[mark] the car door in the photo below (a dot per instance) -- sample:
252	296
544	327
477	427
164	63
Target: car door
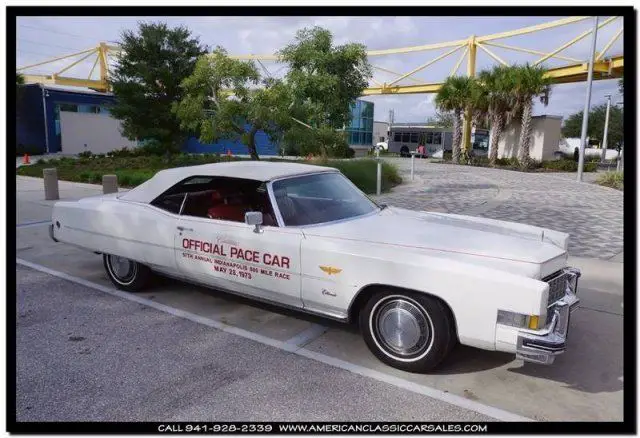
231	255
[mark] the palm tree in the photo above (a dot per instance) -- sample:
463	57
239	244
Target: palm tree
498	88
529	82
455	95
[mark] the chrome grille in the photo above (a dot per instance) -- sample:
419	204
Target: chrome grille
557	286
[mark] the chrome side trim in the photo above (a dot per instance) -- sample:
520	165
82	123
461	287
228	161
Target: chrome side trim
307	310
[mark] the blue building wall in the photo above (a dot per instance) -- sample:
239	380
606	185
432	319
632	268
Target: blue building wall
30	119
264	146
31	129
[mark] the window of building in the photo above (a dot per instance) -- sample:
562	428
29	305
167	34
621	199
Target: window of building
429	137
70	107
380	139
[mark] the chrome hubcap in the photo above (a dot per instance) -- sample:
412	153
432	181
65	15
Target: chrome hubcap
122	267
403	327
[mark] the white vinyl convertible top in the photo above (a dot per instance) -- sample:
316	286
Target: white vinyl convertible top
255	170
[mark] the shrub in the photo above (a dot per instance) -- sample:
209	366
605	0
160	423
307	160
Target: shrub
135	170
350	153
509	162
85	154
612	179
592	158
561	165
84	176
589	167
151	147
124	180
363	173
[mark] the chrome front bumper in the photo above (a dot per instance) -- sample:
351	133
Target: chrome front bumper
542	346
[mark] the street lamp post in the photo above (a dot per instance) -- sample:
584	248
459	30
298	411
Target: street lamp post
587	100
620	165
606	129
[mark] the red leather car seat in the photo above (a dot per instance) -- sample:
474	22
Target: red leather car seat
222	209
229	212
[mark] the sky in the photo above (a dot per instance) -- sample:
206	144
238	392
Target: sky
42	38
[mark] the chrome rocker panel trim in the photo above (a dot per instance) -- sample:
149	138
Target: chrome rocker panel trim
542	346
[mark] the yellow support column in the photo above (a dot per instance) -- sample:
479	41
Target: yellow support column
471	72
102	55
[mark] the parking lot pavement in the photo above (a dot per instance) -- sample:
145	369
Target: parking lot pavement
83	355
591	214
584	384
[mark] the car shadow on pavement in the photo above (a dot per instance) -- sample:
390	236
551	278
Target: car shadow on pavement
463	359
587	366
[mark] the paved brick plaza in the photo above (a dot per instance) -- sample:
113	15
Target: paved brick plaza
591	214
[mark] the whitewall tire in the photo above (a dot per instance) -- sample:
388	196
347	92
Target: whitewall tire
126	274
409	331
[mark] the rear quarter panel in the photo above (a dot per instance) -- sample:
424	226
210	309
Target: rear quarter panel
109	225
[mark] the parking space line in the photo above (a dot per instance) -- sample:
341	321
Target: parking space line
308	335
33	224
399	382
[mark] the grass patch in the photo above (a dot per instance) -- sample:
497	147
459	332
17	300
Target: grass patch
134	170
614	180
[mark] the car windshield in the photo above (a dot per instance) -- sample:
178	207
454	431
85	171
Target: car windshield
319	198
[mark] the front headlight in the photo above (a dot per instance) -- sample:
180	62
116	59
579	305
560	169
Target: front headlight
518	320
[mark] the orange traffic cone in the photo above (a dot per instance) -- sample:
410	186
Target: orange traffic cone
25	159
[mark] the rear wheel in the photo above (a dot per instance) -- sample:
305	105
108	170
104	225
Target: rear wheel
409	331
126	274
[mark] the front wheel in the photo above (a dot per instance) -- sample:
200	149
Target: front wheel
409	331
126	274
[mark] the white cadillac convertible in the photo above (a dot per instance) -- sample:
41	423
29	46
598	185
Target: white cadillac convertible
305	237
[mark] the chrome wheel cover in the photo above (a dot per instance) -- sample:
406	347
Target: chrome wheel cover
401	328
122	269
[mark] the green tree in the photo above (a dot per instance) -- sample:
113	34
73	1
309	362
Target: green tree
572	126
325	79
154	60
497	85
441	119
455	95
222	97
528	82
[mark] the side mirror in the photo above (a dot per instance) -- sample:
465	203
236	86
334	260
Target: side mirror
254	218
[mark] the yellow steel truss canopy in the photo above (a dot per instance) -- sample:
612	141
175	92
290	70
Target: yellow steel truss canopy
574	71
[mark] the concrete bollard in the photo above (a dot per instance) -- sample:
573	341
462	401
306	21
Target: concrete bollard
51	192
379	178
109	184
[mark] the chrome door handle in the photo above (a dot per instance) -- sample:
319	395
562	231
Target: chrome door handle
185	229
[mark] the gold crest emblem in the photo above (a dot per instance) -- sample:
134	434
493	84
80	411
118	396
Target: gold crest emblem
330	270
